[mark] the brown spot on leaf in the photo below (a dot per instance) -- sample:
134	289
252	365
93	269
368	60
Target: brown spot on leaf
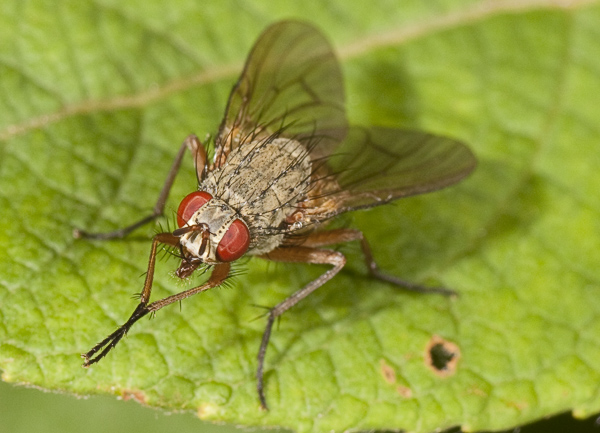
388	373
130	394
404	391
442	356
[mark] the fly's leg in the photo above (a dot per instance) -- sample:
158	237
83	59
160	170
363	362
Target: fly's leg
219	274
111	341
319	239
199	153
299	254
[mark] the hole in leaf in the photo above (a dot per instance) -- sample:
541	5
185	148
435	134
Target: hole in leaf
441	356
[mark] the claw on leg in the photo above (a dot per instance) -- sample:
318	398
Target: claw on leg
111	341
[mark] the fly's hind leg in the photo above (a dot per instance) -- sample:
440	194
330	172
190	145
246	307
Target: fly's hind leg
197	149
338	236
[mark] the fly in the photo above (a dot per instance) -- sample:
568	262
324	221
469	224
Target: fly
285	162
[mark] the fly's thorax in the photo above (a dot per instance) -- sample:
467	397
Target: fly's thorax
216	216
263	181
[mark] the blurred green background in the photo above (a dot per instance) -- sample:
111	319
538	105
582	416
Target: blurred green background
26	410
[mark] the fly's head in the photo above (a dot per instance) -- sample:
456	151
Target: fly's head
209	232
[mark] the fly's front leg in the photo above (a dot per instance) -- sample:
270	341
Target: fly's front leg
199	153
331	237
299	254
111	341
219	274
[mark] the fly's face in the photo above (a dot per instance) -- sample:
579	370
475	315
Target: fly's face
210	231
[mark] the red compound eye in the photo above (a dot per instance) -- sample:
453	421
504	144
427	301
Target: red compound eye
235	242
190	204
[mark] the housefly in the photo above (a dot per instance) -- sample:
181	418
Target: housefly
285	162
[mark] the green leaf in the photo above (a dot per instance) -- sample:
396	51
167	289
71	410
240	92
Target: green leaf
97	97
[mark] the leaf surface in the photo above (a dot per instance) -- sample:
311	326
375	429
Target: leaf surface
96	98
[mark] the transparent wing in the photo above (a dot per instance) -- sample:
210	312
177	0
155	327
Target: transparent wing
373	166
292	85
